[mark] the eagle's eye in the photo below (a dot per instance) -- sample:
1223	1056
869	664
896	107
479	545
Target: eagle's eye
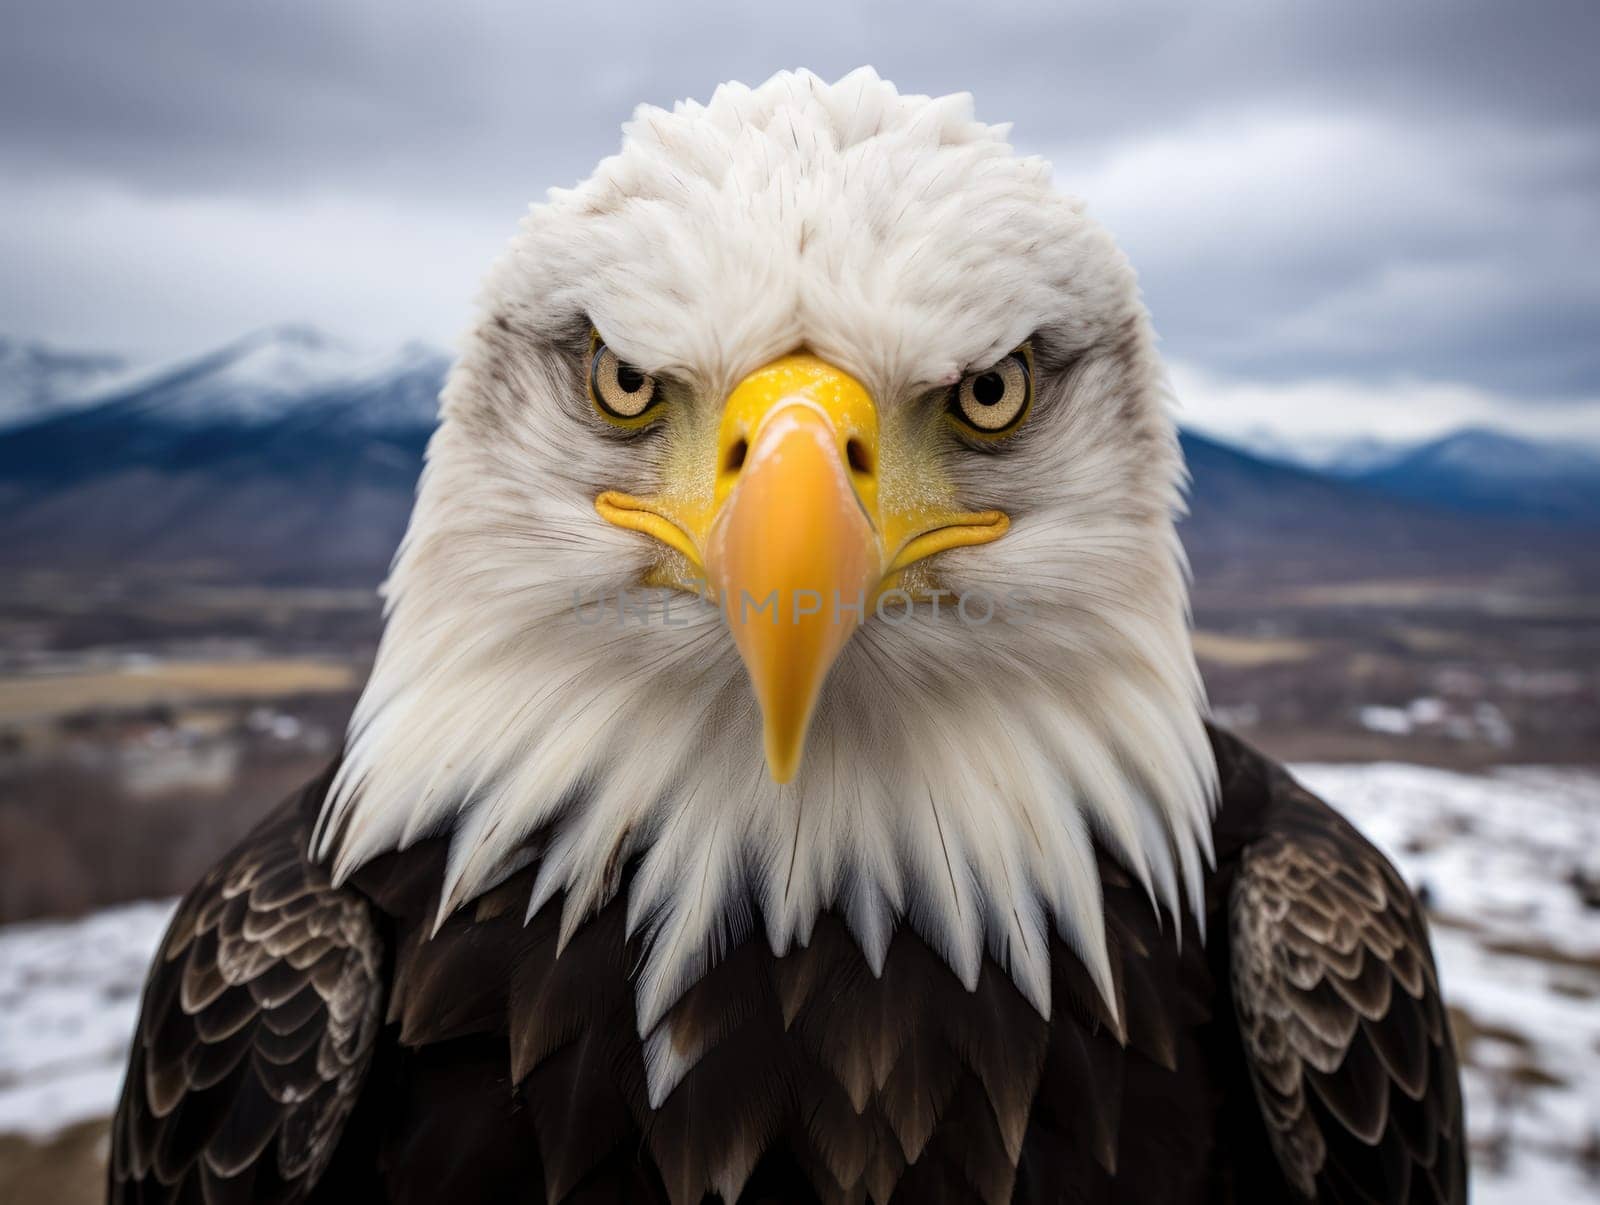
621	393
995	401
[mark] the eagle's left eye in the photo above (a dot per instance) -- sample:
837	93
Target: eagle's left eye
995	401
620	391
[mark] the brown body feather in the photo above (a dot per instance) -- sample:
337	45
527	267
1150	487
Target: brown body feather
1303	1051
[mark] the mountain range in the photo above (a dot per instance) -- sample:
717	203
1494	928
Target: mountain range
1488	472
1472	469
289	454
285	453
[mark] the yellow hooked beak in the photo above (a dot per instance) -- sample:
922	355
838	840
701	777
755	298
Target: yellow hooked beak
798	545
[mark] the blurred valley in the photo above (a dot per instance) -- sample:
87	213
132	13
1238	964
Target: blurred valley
190	555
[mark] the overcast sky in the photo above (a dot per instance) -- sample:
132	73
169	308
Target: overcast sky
1347	217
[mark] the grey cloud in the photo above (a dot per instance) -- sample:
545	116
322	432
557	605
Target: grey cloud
181	92
1453	246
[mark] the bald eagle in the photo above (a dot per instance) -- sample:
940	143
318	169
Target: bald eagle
784	775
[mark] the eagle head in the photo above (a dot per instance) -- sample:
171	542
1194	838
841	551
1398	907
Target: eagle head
798	535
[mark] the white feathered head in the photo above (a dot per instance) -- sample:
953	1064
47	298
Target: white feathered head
799	531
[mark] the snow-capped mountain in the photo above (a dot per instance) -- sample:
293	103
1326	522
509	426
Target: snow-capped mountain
1474	469
1483	452
1339	455
1357	454
37	380
1490	472
271	374
286	452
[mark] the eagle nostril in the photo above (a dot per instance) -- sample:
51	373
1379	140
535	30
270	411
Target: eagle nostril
736	455
856	453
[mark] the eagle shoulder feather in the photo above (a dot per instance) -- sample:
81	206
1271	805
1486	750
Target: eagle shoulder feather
256	1028
1340	1014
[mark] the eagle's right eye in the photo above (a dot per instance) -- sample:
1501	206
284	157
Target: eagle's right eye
621	393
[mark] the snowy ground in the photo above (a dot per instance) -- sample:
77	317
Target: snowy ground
1511	864
69	994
